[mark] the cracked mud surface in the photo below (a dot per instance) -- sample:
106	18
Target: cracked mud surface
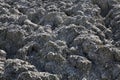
59	40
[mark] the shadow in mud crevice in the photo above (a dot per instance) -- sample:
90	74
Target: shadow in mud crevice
105	6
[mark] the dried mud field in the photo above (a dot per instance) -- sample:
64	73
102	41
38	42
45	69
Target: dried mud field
59	39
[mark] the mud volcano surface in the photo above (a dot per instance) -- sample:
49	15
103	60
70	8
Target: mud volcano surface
59	40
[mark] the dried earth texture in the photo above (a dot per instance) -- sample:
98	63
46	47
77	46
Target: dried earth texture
59	39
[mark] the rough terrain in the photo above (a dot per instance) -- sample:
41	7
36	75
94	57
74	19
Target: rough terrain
59	39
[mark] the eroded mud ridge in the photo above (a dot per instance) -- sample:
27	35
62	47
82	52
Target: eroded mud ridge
59	40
